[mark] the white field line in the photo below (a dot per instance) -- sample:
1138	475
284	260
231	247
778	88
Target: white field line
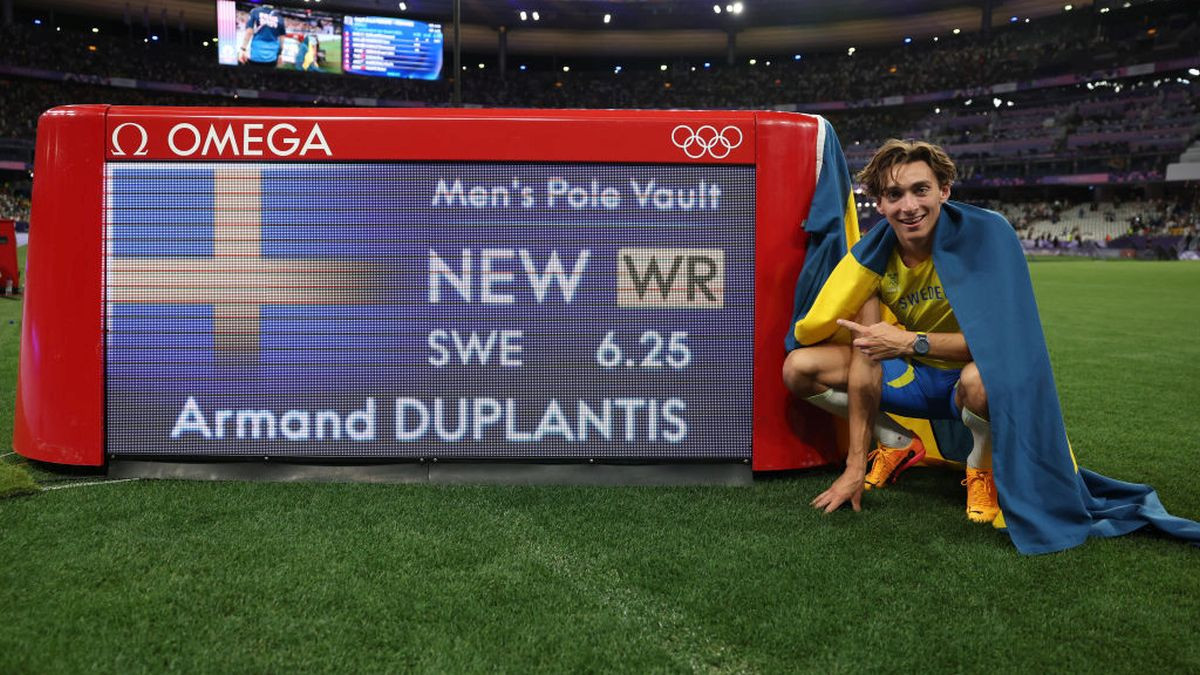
78	485
7	454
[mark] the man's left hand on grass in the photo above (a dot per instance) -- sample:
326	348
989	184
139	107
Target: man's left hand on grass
847	488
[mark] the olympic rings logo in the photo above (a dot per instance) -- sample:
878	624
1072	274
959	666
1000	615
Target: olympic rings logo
706	140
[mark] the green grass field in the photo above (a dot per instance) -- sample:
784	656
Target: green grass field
243	577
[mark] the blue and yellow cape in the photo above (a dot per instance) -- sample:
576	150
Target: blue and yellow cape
1049	503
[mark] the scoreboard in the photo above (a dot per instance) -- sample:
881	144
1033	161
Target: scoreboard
391	47
377	285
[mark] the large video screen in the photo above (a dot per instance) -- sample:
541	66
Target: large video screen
429	309
256	35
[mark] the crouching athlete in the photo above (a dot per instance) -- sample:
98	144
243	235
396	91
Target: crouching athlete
922	370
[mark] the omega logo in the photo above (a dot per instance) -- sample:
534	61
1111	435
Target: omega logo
118	151
248	139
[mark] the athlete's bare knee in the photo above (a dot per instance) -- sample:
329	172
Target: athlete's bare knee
812	370
971	392
799	373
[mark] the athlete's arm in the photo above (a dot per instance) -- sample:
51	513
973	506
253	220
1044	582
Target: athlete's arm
864	388
244	50
879	341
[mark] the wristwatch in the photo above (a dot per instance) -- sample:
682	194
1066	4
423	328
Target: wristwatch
921	345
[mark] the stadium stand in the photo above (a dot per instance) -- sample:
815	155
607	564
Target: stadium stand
1069	121
14	205
1067	44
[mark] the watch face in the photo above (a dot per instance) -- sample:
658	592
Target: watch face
921	346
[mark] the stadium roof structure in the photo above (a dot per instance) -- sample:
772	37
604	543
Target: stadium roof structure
643	27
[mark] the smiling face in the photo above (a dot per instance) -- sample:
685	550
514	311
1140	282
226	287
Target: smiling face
911	200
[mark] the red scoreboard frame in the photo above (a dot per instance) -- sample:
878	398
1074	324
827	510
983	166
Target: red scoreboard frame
60	408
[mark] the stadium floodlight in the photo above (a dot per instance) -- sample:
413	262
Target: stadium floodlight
536	16
907	40
37	22
707	64
663	67
997	102
522	66
404	7
753	62
957	31
608	18
481	66
95	30
1193	72
524	16
1104	10
796	57
1012	19
1067	8
738	7
716	9
566	69
850	51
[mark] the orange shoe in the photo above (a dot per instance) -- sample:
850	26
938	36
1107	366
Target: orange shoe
982	503
888	463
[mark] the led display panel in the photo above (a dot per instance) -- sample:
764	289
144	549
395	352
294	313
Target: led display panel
391	47
254	35
410	309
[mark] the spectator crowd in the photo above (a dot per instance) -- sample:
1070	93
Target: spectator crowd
1120	130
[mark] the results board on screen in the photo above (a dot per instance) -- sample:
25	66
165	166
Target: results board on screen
391	47
430	309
